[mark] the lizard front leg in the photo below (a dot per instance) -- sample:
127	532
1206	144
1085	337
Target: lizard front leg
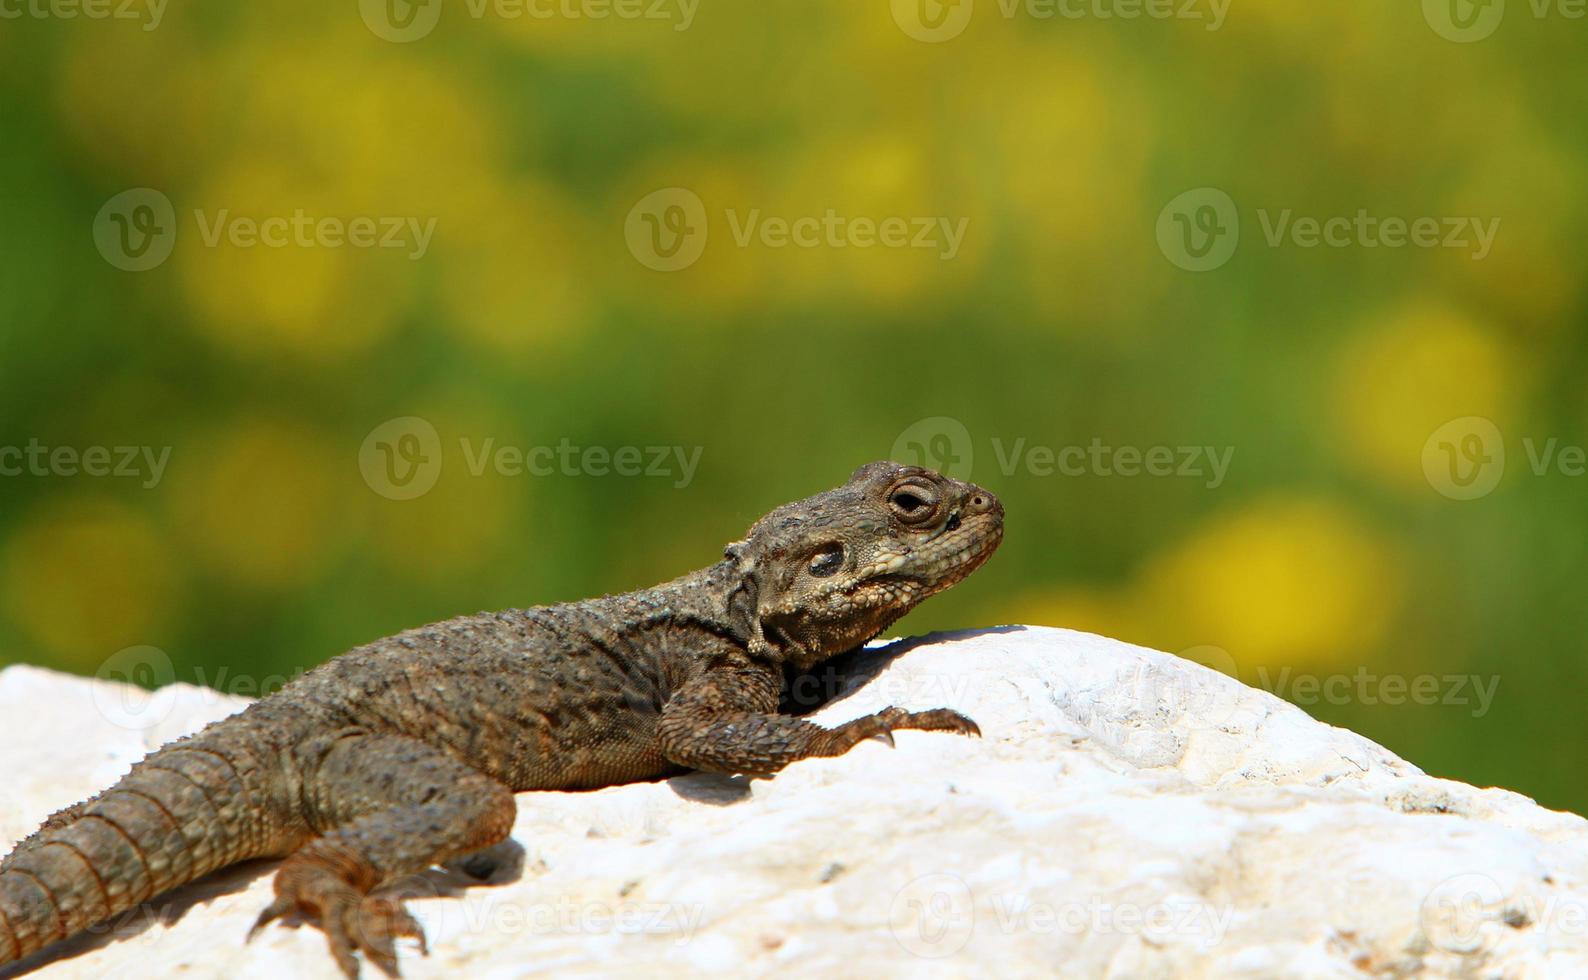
726	721
385	806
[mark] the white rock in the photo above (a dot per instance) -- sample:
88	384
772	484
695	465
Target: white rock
1128	814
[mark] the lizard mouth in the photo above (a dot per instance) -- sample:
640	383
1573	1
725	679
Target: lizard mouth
976	550
961	547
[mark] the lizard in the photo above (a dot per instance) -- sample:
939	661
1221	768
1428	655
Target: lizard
405	753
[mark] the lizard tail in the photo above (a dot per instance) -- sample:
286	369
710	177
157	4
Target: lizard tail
188	809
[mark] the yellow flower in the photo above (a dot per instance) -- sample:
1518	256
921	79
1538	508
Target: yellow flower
514	269
287	289
1407	373
1089	610
1285	581
262	503
472	513
86	576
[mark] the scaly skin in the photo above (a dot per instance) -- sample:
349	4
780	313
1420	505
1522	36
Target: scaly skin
406	752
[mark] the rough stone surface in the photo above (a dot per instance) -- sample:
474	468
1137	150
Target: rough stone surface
1128	814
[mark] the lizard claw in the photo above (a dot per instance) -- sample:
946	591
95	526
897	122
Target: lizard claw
326	899
935	720
272	912
884	723
381	920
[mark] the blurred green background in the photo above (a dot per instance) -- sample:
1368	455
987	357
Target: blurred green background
536	313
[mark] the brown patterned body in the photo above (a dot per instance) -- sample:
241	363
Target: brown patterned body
404	753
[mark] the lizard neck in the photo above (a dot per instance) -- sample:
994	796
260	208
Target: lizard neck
721	600
704	599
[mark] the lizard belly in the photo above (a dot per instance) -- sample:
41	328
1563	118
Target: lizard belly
599	732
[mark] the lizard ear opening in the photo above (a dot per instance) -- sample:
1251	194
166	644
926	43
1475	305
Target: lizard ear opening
744	599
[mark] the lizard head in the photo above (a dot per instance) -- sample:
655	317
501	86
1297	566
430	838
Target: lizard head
825	574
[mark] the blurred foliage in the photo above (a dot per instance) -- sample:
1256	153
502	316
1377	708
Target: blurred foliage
1059	322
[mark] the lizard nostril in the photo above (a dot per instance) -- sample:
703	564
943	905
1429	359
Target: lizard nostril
982	502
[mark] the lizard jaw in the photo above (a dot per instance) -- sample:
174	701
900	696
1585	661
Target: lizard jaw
890	589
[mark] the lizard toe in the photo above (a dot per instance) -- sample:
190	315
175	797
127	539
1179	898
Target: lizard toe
275	910
850	734
338	935
381	921
934	720
945	720
327	900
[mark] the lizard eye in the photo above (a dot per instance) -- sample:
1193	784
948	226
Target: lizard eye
912	504
827	561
